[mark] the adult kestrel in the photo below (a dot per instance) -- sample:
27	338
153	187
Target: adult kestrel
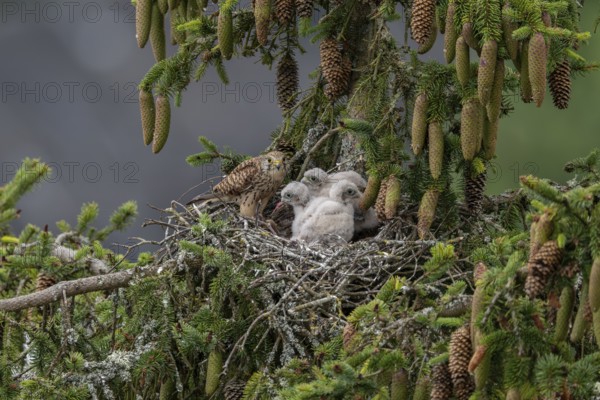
251	184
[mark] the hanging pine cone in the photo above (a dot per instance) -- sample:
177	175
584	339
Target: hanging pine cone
234	390
421	20
525	82
587	312
262	18
162	123
463	62
304	8
380	202
474	191
426	212
419	123
490	136
508	27
537	60
471	129
214	367
469	35
541	266
560	85
399	386
225	33
287	82
486	70
284	11
460	356
494	107
157	34
147	112
441	386
450	35
143	20
44	281
436	149
332	66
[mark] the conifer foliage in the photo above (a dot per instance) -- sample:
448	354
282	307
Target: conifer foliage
226	309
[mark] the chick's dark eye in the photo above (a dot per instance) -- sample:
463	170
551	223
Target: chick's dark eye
269	160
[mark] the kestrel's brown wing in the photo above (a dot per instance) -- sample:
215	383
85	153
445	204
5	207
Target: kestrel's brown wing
240	179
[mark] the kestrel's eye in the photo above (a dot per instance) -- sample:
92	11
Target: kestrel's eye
269	160
350	191
288	195
313	178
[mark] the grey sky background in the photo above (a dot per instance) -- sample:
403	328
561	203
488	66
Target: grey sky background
69	76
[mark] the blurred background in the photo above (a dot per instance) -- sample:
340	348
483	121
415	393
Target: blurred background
69	78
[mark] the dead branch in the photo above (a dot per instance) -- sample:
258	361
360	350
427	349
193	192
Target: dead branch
80	286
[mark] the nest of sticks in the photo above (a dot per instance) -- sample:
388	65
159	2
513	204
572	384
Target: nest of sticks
305	289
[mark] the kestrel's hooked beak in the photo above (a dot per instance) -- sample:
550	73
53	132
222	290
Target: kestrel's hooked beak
278	164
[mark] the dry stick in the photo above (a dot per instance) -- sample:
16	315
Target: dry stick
80	286
316	147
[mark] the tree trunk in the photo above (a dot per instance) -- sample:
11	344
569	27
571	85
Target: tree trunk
350	155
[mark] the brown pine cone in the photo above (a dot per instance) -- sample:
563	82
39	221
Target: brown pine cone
474	191
334	68
540	268
441	386
44	281
287	82
460	355
422	19
284	11
304	8
560	85
234	390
